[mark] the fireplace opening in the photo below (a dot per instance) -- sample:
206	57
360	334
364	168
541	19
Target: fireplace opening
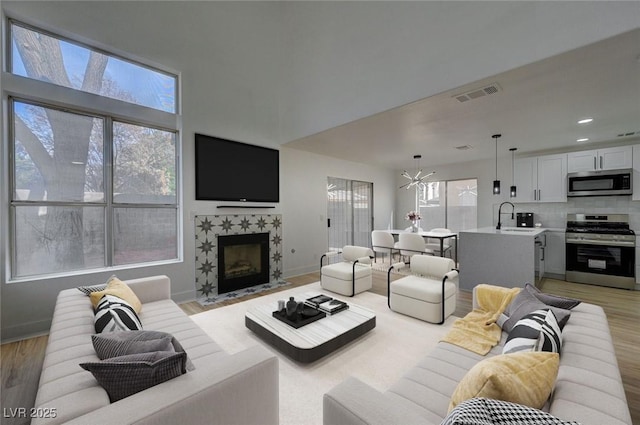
243	261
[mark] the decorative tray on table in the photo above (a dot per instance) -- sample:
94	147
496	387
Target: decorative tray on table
299	319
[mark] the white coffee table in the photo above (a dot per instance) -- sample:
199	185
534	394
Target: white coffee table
315	340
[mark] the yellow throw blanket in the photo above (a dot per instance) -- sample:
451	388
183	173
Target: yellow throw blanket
478	330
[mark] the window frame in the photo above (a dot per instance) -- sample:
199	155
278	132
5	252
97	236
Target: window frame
47	95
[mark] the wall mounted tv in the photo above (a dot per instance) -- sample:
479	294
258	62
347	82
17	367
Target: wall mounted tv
234	171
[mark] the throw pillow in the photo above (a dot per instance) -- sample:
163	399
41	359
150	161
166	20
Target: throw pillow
120	289
550	335
121	343
523	378
87	290
115	314
485	411
525	334
525	303
126	375
550	299
537	331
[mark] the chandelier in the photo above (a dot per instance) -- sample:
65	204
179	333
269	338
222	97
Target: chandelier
418	178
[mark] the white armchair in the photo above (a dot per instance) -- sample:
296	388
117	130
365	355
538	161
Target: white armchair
350	276
429	293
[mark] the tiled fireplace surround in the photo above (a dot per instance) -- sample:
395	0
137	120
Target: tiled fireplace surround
209	227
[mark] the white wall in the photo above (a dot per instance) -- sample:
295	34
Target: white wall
304	203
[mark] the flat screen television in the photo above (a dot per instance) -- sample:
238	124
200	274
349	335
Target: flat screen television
235	171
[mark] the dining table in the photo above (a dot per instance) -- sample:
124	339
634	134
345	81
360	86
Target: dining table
441	236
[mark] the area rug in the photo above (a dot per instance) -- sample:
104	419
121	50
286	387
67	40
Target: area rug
205	300
378	358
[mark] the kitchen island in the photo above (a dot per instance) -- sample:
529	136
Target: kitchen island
509	257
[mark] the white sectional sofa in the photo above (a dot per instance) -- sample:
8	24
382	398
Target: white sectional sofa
223	389
588	387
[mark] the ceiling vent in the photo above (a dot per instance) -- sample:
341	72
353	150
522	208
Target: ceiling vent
464	147
475	94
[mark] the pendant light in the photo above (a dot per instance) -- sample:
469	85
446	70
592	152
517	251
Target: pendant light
496	182
512	191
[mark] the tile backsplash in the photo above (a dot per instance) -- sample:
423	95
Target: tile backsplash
554	214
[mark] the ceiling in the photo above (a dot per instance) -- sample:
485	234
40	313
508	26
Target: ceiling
536	109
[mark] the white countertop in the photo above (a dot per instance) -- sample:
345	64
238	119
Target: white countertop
511	231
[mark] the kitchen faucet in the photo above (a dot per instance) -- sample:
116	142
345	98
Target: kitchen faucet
513	208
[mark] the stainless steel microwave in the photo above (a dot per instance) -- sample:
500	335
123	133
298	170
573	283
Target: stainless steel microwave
600	183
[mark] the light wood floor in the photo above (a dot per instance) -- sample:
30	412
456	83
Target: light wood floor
21	362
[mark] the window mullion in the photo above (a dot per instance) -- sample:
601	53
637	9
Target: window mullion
108	188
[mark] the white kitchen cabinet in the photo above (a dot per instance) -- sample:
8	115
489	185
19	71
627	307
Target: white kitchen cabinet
600	159
636	174
541	179
555	260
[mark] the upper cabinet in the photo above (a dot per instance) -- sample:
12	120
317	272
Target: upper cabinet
601	159
636	173
541	179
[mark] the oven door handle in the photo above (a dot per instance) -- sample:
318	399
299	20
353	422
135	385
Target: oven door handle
601	243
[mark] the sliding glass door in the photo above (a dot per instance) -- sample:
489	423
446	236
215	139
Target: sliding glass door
451	204
349	212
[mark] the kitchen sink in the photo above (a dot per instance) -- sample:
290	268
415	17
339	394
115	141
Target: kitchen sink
519	230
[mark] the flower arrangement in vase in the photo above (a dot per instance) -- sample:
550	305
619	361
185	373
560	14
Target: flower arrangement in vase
413	217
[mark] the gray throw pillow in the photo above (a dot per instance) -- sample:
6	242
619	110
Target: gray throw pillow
550	299
126	375
525	303
121	343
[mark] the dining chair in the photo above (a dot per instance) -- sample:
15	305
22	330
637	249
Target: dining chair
384	243
411	244
434	244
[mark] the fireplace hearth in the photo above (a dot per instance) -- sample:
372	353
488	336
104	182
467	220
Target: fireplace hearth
243	261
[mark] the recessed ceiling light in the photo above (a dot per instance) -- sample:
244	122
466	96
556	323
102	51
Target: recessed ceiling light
582	140
585	121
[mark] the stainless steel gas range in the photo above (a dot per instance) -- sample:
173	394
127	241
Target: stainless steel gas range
600	250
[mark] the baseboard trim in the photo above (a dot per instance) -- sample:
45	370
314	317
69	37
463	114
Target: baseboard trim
25	331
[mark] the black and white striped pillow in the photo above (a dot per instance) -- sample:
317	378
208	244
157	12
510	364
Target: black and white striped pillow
550	335
115	314
537	331
525	334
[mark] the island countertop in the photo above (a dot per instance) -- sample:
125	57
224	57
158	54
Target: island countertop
511	231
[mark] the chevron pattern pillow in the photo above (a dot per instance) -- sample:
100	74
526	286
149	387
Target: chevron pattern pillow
537	331
115	314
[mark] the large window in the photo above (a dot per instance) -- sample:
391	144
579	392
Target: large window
91	187
450	204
